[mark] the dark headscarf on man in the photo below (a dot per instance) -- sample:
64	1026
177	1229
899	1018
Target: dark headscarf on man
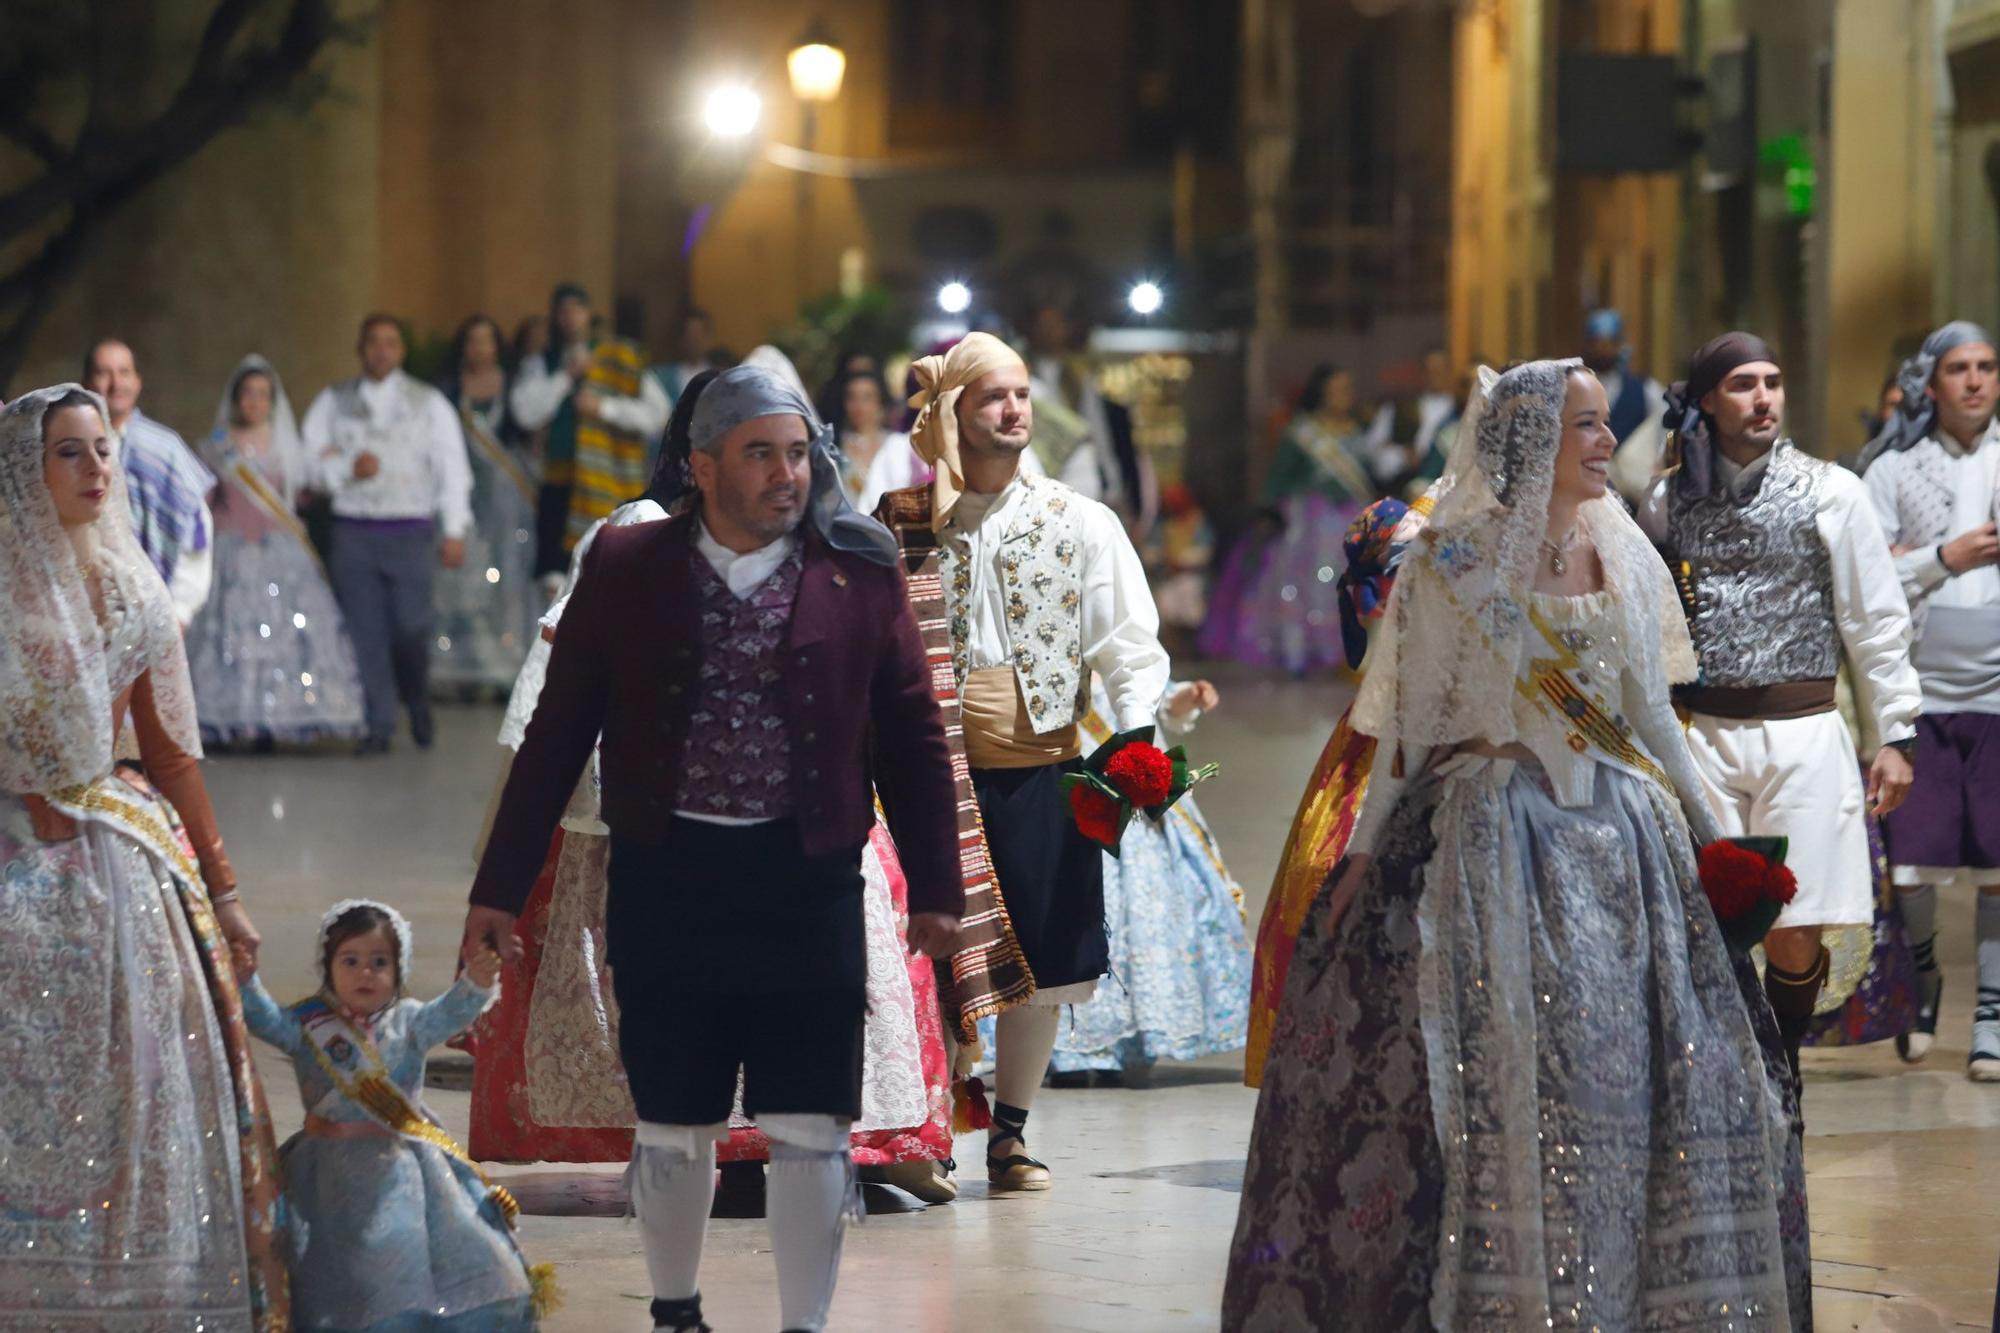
1914	419
1691	458
673	475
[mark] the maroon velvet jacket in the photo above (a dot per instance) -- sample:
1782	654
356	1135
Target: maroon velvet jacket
625	664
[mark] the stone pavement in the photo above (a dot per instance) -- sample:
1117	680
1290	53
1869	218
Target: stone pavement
1904	1165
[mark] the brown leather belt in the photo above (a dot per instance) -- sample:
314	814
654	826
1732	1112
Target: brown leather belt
1759	703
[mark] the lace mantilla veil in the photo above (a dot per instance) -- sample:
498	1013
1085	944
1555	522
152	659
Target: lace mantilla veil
60	669
287	447
1442	666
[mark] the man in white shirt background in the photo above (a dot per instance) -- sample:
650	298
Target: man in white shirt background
390	452
1087	441
167	485
1934	477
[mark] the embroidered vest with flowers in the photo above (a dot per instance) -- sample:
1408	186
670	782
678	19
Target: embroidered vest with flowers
738	757
1041	572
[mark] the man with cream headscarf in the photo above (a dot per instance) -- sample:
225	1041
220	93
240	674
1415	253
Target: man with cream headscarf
1785	574
1934	475
1041	588
750	665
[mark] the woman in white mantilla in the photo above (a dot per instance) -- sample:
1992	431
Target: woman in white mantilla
1517	1072
269	651
138	1180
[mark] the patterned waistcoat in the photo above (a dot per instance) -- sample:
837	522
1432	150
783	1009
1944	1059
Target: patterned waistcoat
1041	571
1757	577
738	758
1921	482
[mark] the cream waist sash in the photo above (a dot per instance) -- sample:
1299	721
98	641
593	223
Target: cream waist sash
998	731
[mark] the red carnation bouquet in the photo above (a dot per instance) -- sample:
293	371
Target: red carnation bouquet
1128	773
1748	886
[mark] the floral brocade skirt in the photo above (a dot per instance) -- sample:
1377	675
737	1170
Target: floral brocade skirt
504	1126
1523	1086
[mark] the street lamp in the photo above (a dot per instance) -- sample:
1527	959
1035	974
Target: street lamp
816	66
732	111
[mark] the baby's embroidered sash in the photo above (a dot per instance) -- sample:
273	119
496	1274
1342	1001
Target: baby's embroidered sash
349	1057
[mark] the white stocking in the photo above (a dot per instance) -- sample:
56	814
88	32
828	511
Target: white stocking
671	1192
808	1195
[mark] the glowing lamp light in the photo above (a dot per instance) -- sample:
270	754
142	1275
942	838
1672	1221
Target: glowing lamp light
732	111
954	298
1145	298
816	67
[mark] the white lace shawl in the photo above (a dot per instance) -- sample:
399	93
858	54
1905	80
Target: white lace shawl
1442	665
287	448
60	669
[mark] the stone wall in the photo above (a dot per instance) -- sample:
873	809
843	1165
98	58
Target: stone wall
463	160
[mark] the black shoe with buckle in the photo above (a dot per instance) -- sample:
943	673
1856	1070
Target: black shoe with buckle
679	1316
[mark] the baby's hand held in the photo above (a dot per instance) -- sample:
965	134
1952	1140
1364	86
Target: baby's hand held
484	969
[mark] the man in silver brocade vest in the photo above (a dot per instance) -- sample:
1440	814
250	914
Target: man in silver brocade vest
1785	573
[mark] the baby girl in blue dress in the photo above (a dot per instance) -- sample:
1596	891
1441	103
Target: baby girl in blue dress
401	1231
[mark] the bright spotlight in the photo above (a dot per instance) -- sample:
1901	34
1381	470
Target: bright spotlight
954	298
1145	298
732	111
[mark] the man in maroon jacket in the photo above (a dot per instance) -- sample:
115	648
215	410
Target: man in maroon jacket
755	672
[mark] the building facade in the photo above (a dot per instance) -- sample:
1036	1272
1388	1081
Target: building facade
1819	196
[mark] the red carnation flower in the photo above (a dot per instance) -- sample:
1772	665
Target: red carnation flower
1096	814
1142	773
1735	878
1781	884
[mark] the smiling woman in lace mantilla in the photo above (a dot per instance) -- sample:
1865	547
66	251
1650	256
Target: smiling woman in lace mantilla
1464	1108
